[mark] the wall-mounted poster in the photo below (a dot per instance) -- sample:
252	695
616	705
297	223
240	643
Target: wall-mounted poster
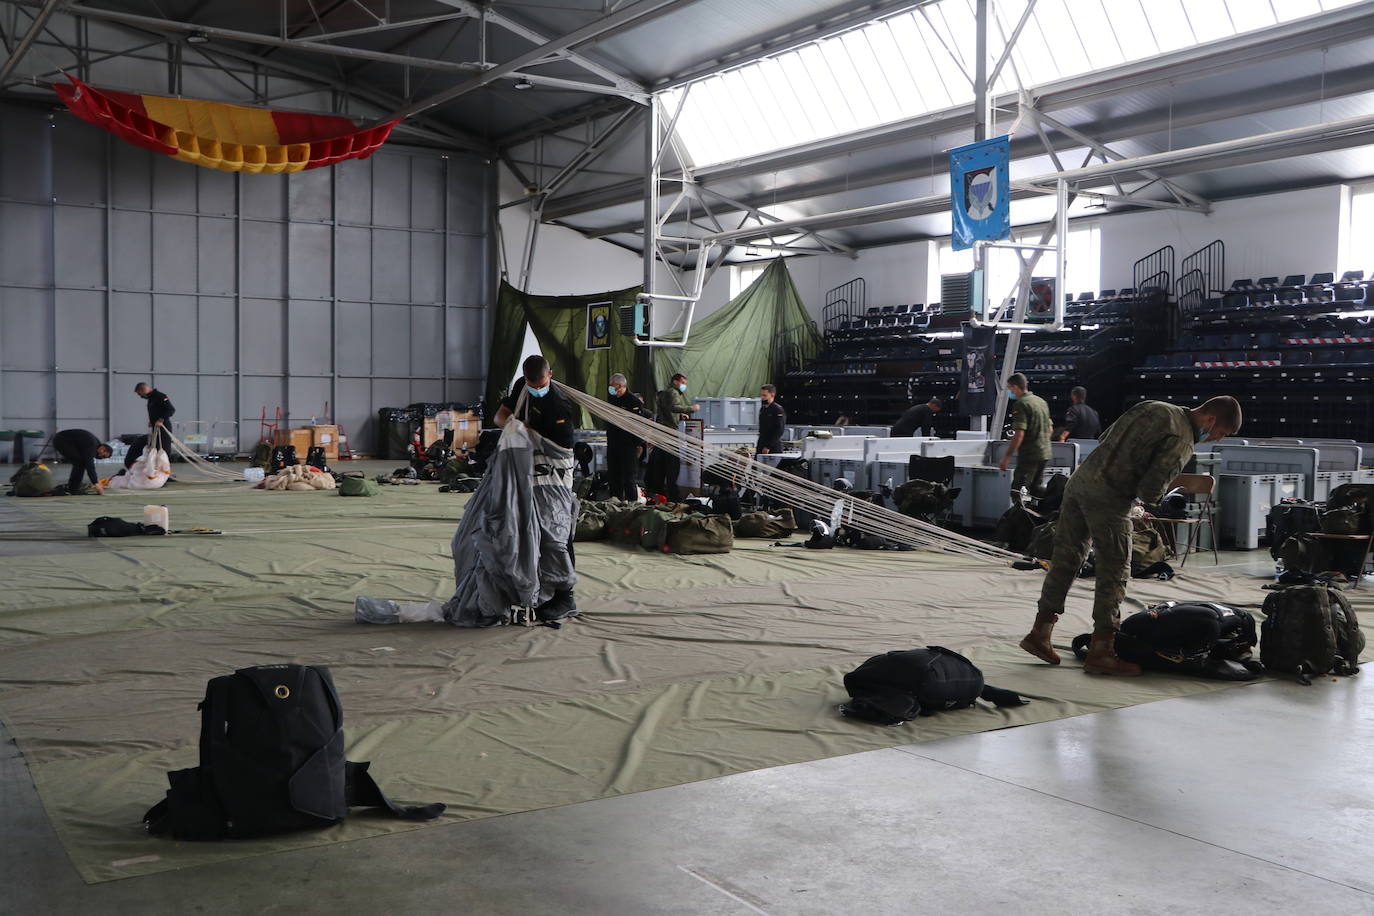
598	326
980	192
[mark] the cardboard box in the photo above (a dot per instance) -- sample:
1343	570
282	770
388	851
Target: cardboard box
465	425
326	437
302	439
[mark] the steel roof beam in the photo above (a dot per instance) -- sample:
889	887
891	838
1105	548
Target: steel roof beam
40	21
624	18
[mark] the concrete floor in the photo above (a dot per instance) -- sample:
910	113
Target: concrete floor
1251	800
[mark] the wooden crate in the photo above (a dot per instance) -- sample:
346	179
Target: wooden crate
302	439
326	436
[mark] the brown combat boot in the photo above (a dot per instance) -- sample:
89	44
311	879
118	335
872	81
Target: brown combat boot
1037	641
1102	658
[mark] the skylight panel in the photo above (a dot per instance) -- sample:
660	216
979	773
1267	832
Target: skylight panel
922	61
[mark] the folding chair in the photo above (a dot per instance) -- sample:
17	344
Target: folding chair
1200	485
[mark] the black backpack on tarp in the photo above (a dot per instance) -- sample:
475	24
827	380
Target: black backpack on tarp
1198	638
271	761
1287	519
898	686
107	526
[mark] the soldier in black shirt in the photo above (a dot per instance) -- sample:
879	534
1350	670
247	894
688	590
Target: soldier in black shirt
921	417
80	447
1080	420
160	412
772	421
622	446
553	417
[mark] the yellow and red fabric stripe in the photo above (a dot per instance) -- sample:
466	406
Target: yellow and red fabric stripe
232	138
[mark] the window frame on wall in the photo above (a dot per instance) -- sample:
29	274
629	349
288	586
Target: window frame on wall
1356	231
742	276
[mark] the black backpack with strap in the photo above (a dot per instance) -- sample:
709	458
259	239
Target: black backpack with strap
898	686
1199	638
271	761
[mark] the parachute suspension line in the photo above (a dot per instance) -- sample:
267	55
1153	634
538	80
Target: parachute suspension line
789	489
196	461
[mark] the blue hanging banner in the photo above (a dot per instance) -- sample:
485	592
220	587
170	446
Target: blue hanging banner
980	192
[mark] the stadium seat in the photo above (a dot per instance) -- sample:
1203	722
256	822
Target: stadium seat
1352	276
1294	280
1323	278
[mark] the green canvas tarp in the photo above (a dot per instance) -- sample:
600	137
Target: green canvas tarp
729	353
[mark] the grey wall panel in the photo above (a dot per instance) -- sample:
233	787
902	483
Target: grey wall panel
174	186
426	207
176	339
26	328
133	168
230	285
264	196
78	152
307	397
131	249
426	267
466	347
216	192
464	391
80	334
391	340
355	338
131	332
175	254
29	399
309	352
25	244
426	341
311	261
390	190
184	392
390	265
216	335
355	263
216	254
81	394
80	256
25	160
130	411
310	194
264	336
353	180
264	259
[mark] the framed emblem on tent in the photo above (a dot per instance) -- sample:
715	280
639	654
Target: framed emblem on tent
980	192
598	325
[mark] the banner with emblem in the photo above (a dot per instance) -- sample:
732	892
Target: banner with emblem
977	386
980	192
598	325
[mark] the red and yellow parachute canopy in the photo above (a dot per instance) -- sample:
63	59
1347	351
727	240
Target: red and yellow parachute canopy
219	136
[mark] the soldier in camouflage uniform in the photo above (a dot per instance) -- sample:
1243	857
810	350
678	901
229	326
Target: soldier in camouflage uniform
1030	441
673	407
1138	457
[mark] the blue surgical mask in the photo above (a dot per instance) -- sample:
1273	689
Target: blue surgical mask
610	389
682	388
1203	435
538	392
1011	395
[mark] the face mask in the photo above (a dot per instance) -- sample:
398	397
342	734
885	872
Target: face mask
1203	435
1011	395
538	392
610	389
682	388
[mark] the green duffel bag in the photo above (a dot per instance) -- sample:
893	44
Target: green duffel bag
778	524
1305	553
1041	544
1345	520
591	522
358	486
697	534
653	528
33	479
622	525
1147	548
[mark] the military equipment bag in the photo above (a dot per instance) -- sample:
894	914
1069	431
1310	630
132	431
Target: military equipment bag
779	524
898	686
1191	637
1342	521
33	479
591	521
653	528
1015	528
283	456
262	455
108	526
1147	549
271	761
924	500
1357	498
1304	553
358	486
1041	545
1309	631
1288	519
1053	500
699	534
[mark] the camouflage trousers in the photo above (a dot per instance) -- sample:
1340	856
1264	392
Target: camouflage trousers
1028	473
1090	520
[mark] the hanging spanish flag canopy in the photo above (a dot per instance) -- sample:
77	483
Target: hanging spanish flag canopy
231	138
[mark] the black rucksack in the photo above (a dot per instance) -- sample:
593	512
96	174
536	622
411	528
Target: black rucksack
898	686
1287	519
1015	528
1190	637
283	456
107	526
1310	630
271	761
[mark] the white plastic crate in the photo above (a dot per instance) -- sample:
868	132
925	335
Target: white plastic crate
1245	501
